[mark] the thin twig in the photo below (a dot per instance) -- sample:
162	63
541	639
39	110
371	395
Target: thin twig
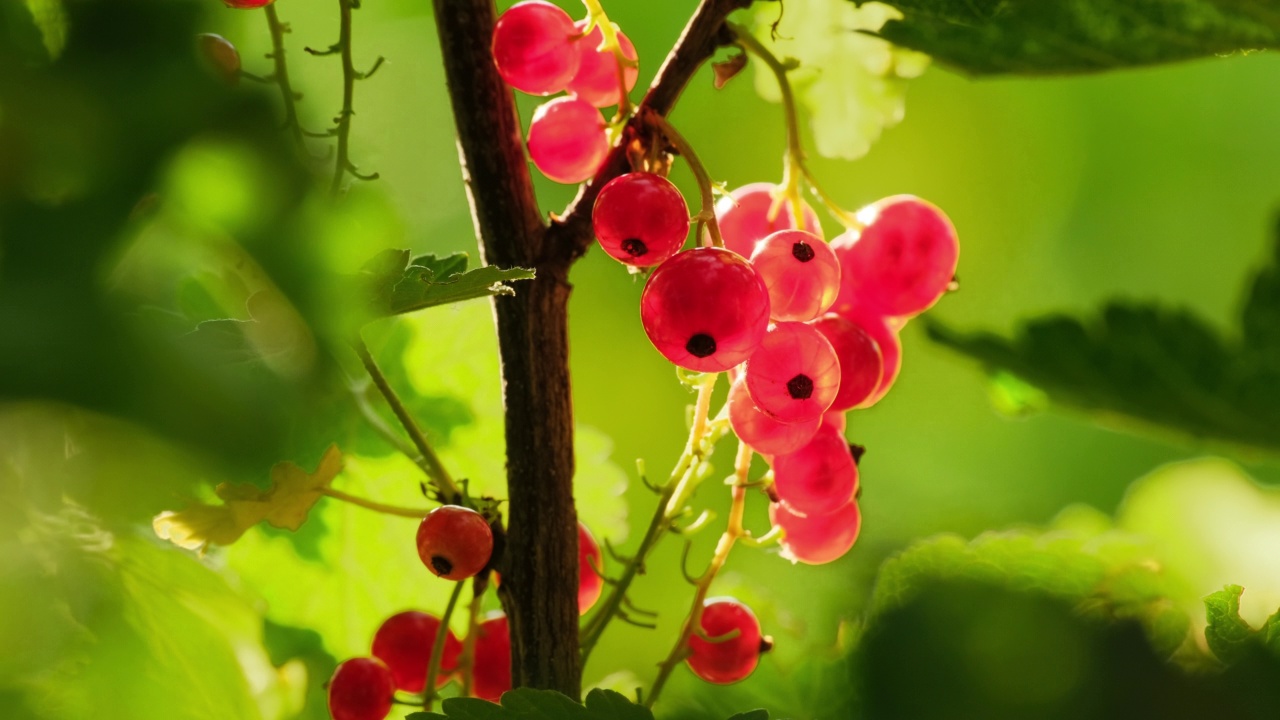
375	506
437	649
281	76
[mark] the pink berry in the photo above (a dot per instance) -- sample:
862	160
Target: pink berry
902	261
861	365
838	421
720	660
640	219
744	217
454	542
801	272
567	140
361	689
404	643
705	309
491	674
247	4
534	47
816	539
819	476
590	584
794	374
764	434
597	78
885	333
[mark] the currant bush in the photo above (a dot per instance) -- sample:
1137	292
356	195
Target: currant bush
815	539
491	673
534	47
719	657
765	434
801	272
640	219
567	140
819	476
794	374
861	364
597	78
751	213
405	641
590	561
454	542
361	689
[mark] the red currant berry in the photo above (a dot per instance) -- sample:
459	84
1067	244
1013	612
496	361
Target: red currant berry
764	434
718	658
902	261
861	365
816	539
705	309
801	272
491	675
534	49
836	420
794	374
597	77
404	643
749	215
247	4
590	562
567	140
885	333
220	56
819	476
454	542
361	689
640	219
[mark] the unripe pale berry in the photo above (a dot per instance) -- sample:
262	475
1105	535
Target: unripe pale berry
861	364
491	674
801	272
816	539
597	78
454	542
819	476
361	689
794	374
220	56
720	659
590	561
640	219
762	432
405	641
534	49
705	309
567	140
745	217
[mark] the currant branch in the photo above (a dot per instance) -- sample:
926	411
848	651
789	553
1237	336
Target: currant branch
342	160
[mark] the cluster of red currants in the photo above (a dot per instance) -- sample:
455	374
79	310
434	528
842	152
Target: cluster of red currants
540	50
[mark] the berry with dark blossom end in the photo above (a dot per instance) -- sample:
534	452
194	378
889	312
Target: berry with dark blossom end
454	542
567	140
405	642
801	272
794	374
815	539
763	433
705	309
729	645
750	214
861	364
361	689
534	47
590	562
640	219
597	78
819	476
491	674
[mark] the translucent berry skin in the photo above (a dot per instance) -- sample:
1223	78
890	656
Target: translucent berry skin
404	643
220	55
640	219
247	4
885	332
836	420
861	364
705	309
597	78
361	689
727	661
744	217
794	374
590	584
902	261
801	272
816	539
819	476
567	140
761	432
534	49
491	675
454	542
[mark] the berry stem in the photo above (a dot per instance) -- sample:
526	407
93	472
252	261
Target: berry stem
437	648
734	531
281	75
381	427
375	506
707	214
435	469
596	17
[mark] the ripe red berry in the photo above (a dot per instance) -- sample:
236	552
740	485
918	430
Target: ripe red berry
597	78
801	272
816	539
705	309
745	217
721	659
835	419
404	643
219	55
640	219
885	333
819	476
361	689
534	49
590	584
794	374
902	261
454	542
763	433
491	674
247	4
567	140
861	364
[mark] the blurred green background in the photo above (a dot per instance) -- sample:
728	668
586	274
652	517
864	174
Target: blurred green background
1153	184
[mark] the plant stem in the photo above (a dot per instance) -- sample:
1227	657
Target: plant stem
467	660
439	476
380	426
281	75
707	214
375	506
437	649
342	157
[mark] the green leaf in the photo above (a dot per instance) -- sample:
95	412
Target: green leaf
1228	635
527	704
610	705
760	714
396	284
1034	37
